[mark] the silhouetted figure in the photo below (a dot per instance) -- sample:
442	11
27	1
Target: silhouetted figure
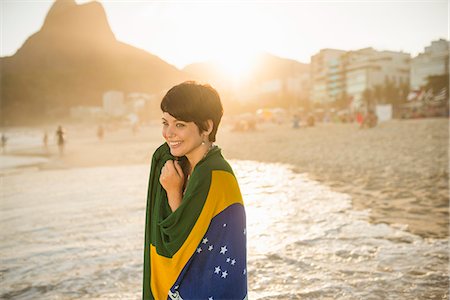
370	120
310	121
100	132
134	128
296	121
4	141
359	118
45	141
61	140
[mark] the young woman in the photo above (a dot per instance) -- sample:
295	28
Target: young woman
195	234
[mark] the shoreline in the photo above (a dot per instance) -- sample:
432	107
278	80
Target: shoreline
398	170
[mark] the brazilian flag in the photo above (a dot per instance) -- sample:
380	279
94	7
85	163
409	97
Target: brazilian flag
199	250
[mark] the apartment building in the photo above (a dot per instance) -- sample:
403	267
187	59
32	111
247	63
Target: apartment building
433	61
335	73
327	75
368	68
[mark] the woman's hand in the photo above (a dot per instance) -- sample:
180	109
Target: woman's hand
172	180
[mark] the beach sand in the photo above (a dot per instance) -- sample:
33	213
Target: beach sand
398	170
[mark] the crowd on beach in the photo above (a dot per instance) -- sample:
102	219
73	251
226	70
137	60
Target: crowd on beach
249	122
60	137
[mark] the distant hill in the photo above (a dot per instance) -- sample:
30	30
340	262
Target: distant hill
72	60
271	67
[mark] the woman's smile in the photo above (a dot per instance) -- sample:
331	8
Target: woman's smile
174	144
183	138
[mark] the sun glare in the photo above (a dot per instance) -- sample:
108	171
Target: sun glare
236	66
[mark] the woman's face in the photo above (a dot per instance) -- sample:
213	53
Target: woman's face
183	138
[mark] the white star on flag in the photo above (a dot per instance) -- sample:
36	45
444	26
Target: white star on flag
210	298
217	270
205	240
223	249
233	262
224	274
225	225
228	259
210	247
199	250
245	272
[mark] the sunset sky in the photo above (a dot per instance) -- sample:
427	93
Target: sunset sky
183	32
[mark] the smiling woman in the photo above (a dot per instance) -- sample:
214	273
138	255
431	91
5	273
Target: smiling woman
195	234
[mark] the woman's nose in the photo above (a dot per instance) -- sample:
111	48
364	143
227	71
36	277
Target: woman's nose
169	131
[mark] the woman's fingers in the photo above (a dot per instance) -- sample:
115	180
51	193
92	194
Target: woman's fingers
171	176
179	169
172	168
168	168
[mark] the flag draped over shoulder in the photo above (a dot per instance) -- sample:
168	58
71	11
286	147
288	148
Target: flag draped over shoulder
199	250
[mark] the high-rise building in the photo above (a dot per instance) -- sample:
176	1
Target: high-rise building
327	76
433	61
367	69
113	103
338	73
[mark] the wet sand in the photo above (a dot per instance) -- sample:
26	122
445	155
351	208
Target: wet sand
398	170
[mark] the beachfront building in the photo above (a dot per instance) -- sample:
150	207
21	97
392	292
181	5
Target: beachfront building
327	76
113	103
369	69
135	101
337	74
434	61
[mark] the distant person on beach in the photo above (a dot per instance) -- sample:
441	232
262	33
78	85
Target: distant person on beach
359	118
135	128
60	139
195	232
100	132
370	120
45	141
296	121
4	142
310	120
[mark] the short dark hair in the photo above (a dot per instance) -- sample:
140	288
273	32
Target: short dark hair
193	102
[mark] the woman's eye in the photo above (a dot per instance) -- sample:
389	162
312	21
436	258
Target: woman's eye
164	123
180	125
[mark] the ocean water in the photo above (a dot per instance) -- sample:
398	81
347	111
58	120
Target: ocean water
78	234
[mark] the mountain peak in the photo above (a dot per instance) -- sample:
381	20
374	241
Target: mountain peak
88	19
71	61
60	6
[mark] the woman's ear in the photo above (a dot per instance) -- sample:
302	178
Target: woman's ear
210	126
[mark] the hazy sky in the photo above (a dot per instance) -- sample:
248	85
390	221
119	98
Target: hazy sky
182	32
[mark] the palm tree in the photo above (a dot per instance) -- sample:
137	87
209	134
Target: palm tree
390	91
378	93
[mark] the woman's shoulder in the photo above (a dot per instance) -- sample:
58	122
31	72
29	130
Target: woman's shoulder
215	162
214	168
